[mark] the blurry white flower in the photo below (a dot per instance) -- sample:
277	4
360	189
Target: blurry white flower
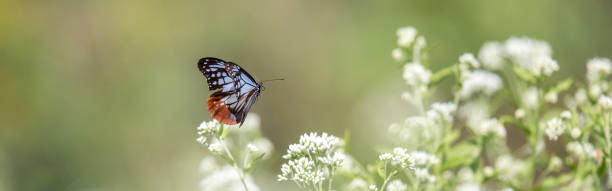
507	167
551	97
423	175
468	186
596	89
554	128
215	148
578	150
263	145
442	111
605	102
519	113
405	36
489	126
544	66
301	170
416	75
532	55
201	140
580	96
555	163
492	55
311	144
420	43
385	157
397	185
469	59
398	54
530	98
465	174
575	133
208	165
597	67
424	159
488	171
475	111
373	187
480	81
358	184
252	121
252	148
226	179
507	189
566	115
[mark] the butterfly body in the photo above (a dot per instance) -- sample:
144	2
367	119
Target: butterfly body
238	90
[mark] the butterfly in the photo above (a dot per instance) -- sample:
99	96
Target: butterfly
238	93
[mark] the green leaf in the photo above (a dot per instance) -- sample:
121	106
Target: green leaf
225	133
460	155
250	164
562	86
227	159
441	74
524	74
381	173
347	139
551	182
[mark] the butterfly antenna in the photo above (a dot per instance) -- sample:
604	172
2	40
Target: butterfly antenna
273	79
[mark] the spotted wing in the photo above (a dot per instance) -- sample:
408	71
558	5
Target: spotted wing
217	76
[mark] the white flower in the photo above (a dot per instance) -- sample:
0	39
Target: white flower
358	184
488	126
575	133
566	115
469	59
551	97
465	174
396	185
264	145
532	55
399	157
507	189
468	186
252	148
373	187
301	170
544	66
226	179
596	67
442	111
555	163
488	171
530	98
519	113
507	167
215	148
201	140
335	160
423	175
416	75
385	157
492	55
405	36
252	121
554	128
480	81
312	144
605	102
578	150
398	54
208	165
580	96
424	159
208	128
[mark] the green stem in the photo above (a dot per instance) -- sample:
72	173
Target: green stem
240	174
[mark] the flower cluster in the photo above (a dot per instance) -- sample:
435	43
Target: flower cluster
313	160
252	148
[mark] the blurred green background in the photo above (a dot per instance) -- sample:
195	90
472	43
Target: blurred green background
105	95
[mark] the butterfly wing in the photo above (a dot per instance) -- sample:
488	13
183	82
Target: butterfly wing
214	70
239	90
